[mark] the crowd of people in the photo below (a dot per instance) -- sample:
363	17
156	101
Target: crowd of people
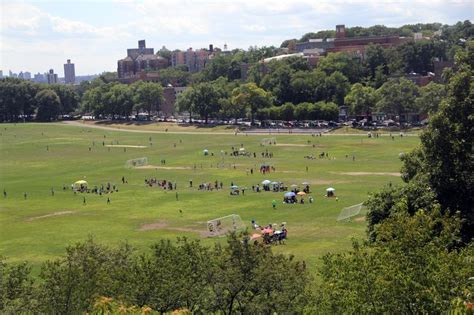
164	184
270	233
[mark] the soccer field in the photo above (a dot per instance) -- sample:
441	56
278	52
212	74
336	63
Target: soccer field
39	159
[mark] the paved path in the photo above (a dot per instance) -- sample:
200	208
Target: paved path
253	132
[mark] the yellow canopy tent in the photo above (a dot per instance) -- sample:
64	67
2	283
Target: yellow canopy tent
79	184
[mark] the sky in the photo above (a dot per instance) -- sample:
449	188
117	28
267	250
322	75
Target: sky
38	35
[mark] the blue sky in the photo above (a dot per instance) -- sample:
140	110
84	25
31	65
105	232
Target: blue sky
38	35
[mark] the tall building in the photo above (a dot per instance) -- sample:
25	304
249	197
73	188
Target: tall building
195	60
52	77
1	74
140	64
69	73
39	78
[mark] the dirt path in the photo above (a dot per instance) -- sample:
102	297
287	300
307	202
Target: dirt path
126	146
54	214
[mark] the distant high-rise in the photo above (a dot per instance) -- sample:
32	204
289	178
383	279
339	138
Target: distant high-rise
39	78
1	74
69	73
52	77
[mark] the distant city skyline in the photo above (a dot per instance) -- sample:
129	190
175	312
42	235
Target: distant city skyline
36	36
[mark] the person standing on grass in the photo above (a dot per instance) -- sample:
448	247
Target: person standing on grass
84	201
25	195
176	196
52	191
4	193
108	200
274	204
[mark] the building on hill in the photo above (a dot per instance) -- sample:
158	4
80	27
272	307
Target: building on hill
140	64
355	45
194	60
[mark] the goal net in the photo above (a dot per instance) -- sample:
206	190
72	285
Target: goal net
136	162
350	212
221	226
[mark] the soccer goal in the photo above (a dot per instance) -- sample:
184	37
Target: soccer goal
136	162
221	226
350	212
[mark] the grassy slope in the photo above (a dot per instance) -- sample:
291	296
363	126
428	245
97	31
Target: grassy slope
26	165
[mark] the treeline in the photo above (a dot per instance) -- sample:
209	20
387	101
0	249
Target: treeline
238	277
25	100
450	33
20	99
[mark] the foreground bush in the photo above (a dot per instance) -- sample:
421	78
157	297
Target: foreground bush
238	277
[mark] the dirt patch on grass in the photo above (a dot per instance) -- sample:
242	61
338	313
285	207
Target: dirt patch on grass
153	226
126	146
293	145
164	167
360	219
54	214
369	173
162	225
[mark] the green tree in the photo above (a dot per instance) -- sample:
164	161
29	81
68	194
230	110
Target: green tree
430	97
447	145
361	99
397	97
336	87
374	58
252	97
407	270
119	100
49	105
351	67
68	97
302	111
174	76
17	293
277	81
287	111
147	96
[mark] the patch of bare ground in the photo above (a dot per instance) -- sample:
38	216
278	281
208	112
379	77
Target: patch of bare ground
125	146
164	167
54	214
360	219
293	145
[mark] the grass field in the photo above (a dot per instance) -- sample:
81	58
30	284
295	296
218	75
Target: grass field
38	157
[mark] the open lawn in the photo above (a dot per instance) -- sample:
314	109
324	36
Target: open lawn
38	157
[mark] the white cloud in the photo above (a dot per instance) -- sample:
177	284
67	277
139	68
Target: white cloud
32	34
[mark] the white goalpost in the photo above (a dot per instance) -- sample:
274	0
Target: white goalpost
221	226
350	212
136	162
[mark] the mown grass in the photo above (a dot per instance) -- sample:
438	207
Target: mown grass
37	157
